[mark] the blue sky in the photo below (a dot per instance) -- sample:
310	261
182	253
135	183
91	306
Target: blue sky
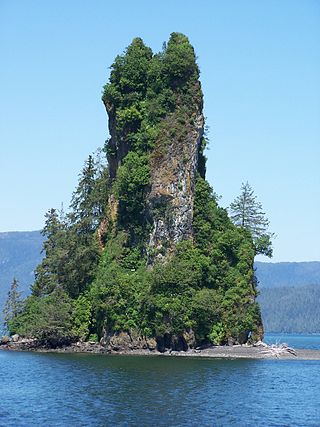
260	72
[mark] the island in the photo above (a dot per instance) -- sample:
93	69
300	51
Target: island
145	259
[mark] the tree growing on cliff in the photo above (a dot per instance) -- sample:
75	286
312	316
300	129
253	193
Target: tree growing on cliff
247	212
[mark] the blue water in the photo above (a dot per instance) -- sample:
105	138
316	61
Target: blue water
97	390
294	340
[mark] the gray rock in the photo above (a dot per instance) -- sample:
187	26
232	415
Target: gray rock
170	201
189	338
151	343
126	341
231	341
4	340
15	337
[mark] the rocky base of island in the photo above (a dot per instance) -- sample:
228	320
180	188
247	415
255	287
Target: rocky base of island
258	350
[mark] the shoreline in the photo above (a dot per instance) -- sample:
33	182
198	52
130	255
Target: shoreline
214	352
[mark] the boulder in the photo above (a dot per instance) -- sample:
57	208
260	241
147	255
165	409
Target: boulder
119	341
189	338
15	337
171	342
231	341
151	343
4	340
125	341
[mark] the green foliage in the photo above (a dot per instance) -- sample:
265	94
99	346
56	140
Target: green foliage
247	212
133	177
179	60
206	312
48	318
87	207
13	306
71	248
116	295
82	316
128	119
231	252
172	285
130	187
217	334
263	245
129	72
47	274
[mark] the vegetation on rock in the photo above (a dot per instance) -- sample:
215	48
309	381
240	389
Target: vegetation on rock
145	249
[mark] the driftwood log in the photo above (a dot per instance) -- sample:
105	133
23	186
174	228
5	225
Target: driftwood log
276	350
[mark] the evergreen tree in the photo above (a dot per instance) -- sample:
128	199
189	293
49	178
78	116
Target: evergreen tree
85	209
13	305
247	212
71	250
49	272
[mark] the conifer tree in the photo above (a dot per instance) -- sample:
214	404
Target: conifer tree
13	304
50	271
248	213
84	218
84	207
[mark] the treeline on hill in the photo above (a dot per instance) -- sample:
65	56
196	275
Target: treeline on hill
291	309
96	278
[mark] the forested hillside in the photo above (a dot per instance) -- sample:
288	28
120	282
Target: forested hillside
289	296
290	309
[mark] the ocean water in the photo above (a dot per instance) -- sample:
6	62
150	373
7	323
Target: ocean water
311	341
102	390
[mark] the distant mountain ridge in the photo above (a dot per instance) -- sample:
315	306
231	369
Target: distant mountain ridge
287	274
20	253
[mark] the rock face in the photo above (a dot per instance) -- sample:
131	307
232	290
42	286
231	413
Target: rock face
117	148
123	341
171	198
170	137
173	169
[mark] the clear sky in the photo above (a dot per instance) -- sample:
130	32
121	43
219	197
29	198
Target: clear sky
260	72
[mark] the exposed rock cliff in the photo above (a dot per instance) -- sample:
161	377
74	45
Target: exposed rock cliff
173	175
173	147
